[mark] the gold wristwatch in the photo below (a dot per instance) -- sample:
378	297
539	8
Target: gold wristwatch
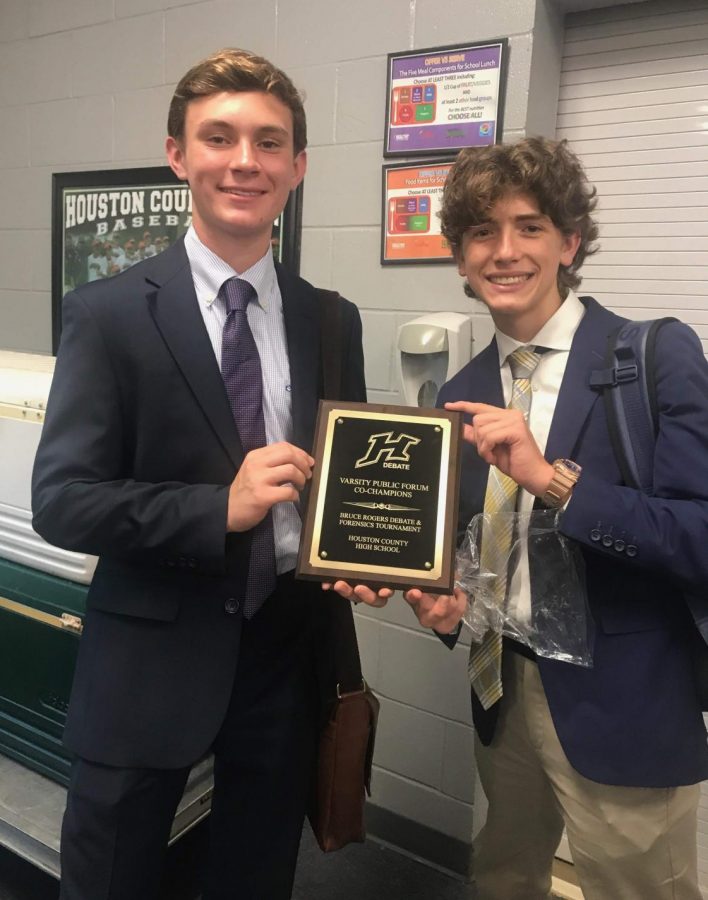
565	477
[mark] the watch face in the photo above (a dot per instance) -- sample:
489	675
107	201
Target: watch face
572	467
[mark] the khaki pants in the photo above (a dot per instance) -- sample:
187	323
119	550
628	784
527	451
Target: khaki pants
627	843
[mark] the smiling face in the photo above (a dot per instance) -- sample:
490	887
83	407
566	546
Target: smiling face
511	263
237	155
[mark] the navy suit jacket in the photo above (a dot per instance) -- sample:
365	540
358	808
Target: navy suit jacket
634	718
138	450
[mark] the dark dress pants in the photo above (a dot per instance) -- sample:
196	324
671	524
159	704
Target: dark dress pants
118	820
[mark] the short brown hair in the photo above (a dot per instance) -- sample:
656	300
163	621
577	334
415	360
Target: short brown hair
547	170
236	70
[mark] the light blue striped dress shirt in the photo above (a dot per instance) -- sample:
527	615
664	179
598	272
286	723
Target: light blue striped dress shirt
265	317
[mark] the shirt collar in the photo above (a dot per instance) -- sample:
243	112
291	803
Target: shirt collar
210	271
556	334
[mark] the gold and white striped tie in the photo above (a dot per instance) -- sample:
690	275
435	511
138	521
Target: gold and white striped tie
500	499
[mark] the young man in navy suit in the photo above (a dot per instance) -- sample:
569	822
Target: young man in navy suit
175	448
613	753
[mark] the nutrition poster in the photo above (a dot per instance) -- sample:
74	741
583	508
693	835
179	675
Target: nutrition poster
412	196
443	99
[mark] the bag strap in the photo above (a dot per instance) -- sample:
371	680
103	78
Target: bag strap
347	664
628	384
629	387
330	343
343	643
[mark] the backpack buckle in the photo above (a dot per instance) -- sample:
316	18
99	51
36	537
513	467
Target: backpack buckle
619	374
624	373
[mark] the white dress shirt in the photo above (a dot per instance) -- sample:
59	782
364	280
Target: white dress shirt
556	336
265	317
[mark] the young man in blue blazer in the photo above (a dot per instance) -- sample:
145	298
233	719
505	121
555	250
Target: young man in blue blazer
175	448
613	753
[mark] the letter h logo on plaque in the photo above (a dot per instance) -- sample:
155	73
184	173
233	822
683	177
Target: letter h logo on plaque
384	499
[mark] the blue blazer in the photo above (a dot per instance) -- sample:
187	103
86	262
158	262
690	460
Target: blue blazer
137	454
634	718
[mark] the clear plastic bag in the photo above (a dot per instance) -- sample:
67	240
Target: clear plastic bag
557	623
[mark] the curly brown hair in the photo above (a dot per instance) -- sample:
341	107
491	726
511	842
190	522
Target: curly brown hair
547	170
236	70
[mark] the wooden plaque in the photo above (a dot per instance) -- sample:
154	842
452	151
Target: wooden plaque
384	499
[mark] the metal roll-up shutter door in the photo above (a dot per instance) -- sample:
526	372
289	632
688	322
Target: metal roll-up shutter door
634	104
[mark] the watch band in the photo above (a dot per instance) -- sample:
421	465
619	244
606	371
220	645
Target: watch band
565	477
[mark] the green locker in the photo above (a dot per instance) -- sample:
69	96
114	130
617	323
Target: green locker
41	619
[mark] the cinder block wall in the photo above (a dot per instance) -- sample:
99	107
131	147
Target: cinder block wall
85	84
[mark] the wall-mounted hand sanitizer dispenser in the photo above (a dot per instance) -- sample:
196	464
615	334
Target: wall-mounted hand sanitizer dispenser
431	349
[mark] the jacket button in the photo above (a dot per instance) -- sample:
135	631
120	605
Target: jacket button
595	534
607	540
631	550
192	562
619	545
231	606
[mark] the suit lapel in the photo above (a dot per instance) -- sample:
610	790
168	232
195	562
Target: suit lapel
175	309
484	386
302	331
576	398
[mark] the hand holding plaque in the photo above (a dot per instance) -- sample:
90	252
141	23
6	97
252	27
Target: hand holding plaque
383	507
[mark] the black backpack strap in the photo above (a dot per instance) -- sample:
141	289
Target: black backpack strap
650	368
628	384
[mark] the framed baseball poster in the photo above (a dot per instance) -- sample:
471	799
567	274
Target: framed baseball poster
105	221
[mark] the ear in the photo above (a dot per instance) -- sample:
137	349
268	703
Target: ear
299	167
459	256
175	158
571	242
